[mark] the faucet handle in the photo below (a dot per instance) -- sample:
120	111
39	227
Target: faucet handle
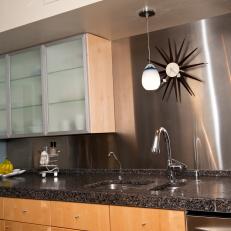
176	164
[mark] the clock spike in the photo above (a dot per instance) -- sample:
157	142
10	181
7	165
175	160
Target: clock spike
187	56
162	83
162	72
192	65
163	55
185	84
175	49
166	88
179	89
175	88
170	90
190	76
157	63
170	50
179	52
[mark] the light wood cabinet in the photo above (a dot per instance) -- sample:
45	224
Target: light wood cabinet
1	208
80	216
171	220
30	211
37	215
18	226
1	225
100	84
62	229
137	219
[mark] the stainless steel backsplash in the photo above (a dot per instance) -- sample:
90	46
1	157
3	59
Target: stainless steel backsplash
198	126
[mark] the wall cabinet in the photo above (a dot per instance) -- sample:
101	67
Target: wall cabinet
36	215
26	92
64	87
3	97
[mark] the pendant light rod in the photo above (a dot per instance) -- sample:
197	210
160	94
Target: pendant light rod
147	13
148	37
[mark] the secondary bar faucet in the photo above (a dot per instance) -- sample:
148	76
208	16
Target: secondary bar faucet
112	154
172	164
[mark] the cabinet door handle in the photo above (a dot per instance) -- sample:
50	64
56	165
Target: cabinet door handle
24	211
143	224
76	217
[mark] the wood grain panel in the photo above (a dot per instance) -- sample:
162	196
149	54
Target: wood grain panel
1	225
100	84
62	229
133	219
31	211
17	226
137	219
172	220
80	216
1	208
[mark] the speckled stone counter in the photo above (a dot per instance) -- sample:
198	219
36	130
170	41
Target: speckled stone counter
211	193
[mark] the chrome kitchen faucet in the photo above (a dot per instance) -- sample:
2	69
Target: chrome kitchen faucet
112	154
172	164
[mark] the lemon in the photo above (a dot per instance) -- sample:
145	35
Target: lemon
6	167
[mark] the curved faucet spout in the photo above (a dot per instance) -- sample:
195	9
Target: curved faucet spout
172	165
156	143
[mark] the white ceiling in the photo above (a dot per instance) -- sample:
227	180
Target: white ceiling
15	13
112	19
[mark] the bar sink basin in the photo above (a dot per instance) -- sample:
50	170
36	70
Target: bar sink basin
121	185
170	185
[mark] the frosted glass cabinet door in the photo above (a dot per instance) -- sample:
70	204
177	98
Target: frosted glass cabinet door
3	98
26	92
65	55
66	86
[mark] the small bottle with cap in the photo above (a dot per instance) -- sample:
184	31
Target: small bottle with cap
44	158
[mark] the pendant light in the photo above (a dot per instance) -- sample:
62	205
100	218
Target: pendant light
150	76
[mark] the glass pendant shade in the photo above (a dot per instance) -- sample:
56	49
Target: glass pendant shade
150	78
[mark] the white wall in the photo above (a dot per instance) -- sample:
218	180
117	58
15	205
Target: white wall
15	13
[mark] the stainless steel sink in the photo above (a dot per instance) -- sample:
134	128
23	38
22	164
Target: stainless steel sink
170	185
117	185
122	185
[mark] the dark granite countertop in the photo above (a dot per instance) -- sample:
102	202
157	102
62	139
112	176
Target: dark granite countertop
211	193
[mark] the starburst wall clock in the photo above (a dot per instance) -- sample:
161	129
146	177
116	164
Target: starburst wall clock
177	63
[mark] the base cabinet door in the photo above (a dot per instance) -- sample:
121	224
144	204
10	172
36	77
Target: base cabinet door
78	216
171	220
28	211
133	219
1	225
62	229
138	219
17	226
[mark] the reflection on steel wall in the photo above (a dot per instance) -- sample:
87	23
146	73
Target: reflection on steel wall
199	126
